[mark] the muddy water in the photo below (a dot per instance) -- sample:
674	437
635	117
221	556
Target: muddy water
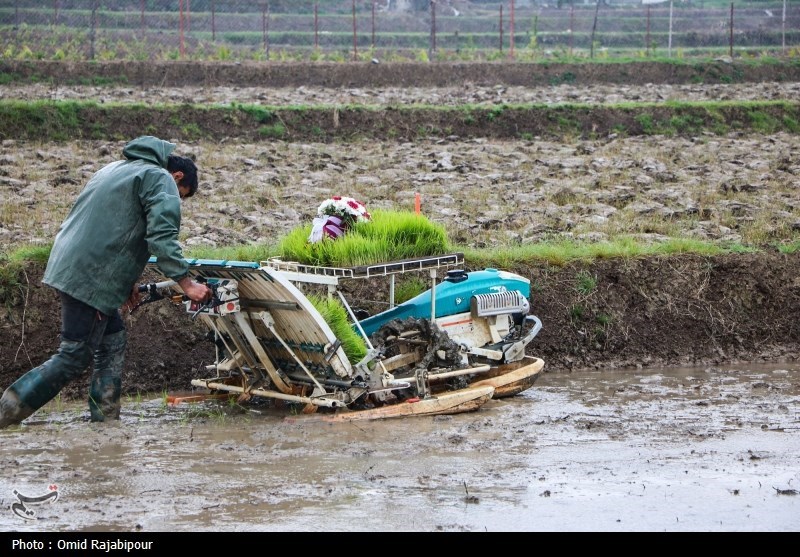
712	449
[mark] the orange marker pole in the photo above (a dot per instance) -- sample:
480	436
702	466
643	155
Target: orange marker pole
417	203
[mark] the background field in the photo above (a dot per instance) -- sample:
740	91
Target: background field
392	30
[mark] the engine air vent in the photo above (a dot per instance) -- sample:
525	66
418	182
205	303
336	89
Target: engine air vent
498	303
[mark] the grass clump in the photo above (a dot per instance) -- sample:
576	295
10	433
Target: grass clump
13	282
586	283
246	252
560	253
789	248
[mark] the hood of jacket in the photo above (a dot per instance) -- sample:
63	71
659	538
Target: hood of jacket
150	149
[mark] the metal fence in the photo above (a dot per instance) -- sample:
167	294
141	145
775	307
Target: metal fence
421	30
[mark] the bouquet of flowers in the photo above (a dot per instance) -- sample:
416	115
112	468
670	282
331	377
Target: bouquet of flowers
335	216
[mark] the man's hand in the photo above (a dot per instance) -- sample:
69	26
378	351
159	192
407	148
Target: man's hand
194	290
133	300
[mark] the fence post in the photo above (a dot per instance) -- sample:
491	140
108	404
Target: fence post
93	31
647	35
373	25
355	34
55	12
433	31
265	27
571	27
501	28
730	47
594	27
511	32
180	25
316	27
669	41
213	21
783	29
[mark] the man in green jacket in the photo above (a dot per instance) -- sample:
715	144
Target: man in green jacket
129	211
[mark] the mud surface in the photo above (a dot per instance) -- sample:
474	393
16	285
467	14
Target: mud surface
473	94
669	450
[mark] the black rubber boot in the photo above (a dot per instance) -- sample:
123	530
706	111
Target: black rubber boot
12	409
41	384
106	385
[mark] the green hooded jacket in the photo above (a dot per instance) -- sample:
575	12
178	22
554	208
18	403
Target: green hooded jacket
128	211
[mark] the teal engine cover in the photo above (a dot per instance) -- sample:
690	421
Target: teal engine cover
452	297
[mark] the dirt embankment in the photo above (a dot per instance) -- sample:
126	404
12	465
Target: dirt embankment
395	74
327	124
683	310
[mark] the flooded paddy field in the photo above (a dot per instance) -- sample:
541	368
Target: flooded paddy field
671	450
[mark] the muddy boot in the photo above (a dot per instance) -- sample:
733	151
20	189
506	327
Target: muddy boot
41	384
12	409
106	386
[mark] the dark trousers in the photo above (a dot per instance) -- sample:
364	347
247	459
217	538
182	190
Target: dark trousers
81	322
87	336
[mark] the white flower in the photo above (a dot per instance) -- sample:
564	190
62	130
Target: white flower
346	208
335	216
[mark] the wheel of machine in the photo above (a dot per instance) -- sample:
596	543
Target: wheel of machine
400	337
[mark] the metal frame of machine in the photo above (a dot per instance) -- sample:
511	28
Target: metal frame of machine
277	345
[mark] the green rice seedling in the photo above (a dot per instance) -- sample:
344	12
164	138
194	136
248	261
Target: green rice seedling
409	288
55	406
136	400
234	407
245	252
675	246
790	124
336	317
164	400
348	250
197	411
736	247
389	236
646	122
405	234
